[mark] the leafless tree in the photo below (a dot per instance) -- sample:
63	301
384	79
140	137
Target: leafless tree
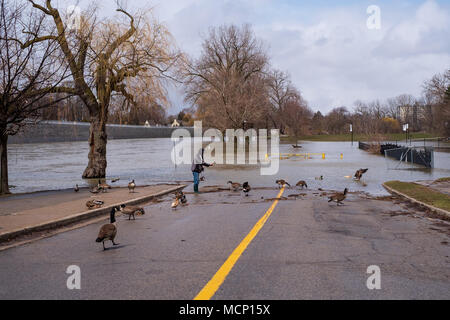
437	92
297	117
27	75
281	91
227	82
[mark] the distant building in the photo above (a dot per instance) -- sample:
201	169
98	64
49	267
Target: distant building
175	124
147	125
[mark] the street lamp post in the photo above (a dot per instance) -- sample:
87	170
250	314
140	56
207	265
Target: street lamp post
405	128
351	130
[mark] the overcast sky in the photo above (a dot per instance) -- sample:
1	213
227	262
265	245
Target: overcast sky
326	46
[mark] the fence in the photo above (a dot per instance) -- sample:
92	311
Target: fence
54	131
417	155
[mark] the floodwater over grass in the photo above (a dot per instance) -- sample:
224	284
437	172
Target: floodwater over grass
53	166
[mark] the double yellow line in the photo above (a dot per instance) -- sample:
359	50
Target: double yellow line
216	281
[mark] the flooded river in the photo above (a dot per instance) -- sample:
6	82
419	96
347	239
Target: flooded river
53	166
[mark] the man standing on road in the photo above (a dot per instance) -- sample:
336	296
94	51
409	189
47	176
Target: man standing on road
197	168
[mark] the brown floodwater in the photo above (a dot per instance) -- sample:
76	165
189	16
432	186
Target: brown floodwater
53	166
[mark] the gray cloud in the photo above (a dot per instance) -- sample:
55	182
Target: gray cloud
332	56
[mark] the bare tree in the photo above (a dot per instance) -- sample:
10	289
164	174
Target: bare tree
297	117
437	91
27	75
337	120
281	91
107	57
227	82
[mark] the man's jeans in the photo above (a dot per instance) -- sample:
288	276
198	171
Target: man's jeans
196	180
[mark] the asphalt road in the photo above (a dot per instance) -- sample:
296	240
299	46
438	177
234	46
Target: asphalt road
308	249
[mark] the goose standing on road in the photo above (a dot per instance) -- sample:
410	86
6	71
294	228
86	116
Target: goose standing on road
282	183
234	185
108	231
302	184
131	211
182	197
338	197
246	188
131	186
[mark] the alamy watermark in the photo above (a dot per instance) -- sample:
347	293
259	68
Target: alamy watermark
74	280
374	19
236	151
374	280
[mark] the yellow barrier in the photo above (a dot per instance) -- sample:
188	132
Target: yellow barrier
284	156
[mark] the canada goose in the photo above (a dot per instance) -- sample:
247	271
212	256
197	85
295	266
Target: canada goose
94	204
338	197
131	211
182	197
282	183
359	173
234	185
246	188
115	180
103	186
76	189
319	178
108	231
302	184
131	186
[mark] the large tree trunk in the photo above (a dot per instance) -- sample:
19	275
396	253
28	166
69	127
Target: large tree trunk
97	149
4	187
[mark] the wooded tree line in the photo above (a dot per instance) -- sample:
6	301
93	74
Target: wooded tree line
429	113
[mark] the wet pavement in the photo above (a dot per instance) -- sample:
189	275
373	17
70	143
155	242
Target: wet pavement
308	249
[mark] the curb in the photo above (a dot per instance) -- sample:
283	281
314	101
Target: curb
11	235
432	208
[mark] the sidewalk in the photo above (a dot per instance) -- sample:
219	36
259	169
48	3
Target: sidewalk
35	212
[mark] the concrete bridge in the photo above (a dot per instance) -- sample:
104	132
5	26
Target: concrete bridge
59	131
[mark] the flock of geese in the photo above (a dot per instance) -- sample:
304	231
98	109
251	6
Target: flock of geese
108	231
338	196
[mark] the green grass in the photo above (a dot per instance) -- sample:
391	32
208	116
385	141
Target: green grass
422	193
446	179
358	137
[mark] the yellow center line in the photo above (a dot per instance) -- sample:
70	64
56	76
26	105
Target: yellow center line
216	281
